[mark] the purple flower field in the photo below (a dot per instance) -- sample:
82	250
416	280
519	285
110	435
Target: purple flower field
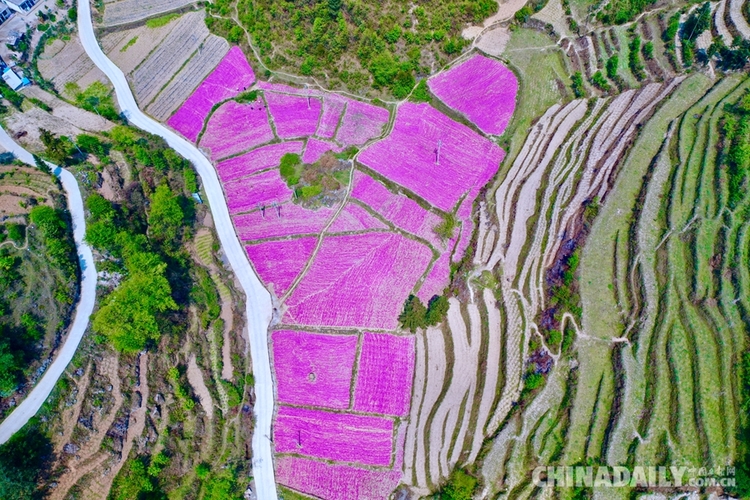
400	210
314	369
232	76
408	156
355	218
437	278
258	159
386	366
482	89
341	482
293	116
361	123
279	262
333	106
293	220
234	128
335	482
248	193
358	280
316	148
334	436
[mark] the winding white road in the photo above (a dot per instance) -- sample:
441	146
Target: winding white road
39	394
259	306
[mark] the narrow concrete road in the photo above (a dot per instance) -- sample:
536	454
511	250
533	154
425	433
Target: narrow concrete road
259	306
39	394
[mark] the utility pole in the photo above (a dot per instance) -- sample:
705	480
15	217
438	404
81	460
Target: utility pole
437	151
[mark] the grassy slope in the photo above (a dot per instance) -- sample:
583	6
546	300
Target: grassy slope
601	317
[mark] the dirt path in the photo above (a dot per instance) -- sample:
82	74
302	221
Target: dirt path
100	485
90	458
195	377
735	13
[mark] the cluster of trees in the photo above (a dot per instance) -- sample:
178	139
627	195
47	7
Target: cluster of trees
55	234
96	98
736	139
309	181
25	460
416	315
623	11
698	22
142	239
634	58
460	486
354	43
139	479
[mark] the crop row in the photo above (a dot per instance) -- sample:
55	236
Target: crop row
231	76
234	128
482	89
436	158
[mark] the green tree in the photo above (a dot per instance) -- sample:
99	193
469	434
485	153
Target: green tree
130	316
166	215
460	486
577	84
24	460
413	315
611	66
56	149
437	309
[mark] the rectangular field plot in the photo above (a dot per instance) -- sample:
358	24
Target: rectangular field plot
313	369
359	280
316	148
283	220
433	156
361	123
131	11
335	482
333	106
189	77
403	212
279	262
248	193
482	89
355	218
386	366
256	160
169	56
231	76
234	128
334	436
293	116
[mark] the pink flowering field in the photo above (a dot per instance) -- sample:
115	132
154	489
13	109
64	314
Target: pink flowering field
338	481
234	128
358	280
355	218
437	278
316	148
256	160
279	262
403	212
386	366
343	390
342	437
293	220
293	116
408	155
361	123
232	76
333	106
482	89
314	369
247	193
